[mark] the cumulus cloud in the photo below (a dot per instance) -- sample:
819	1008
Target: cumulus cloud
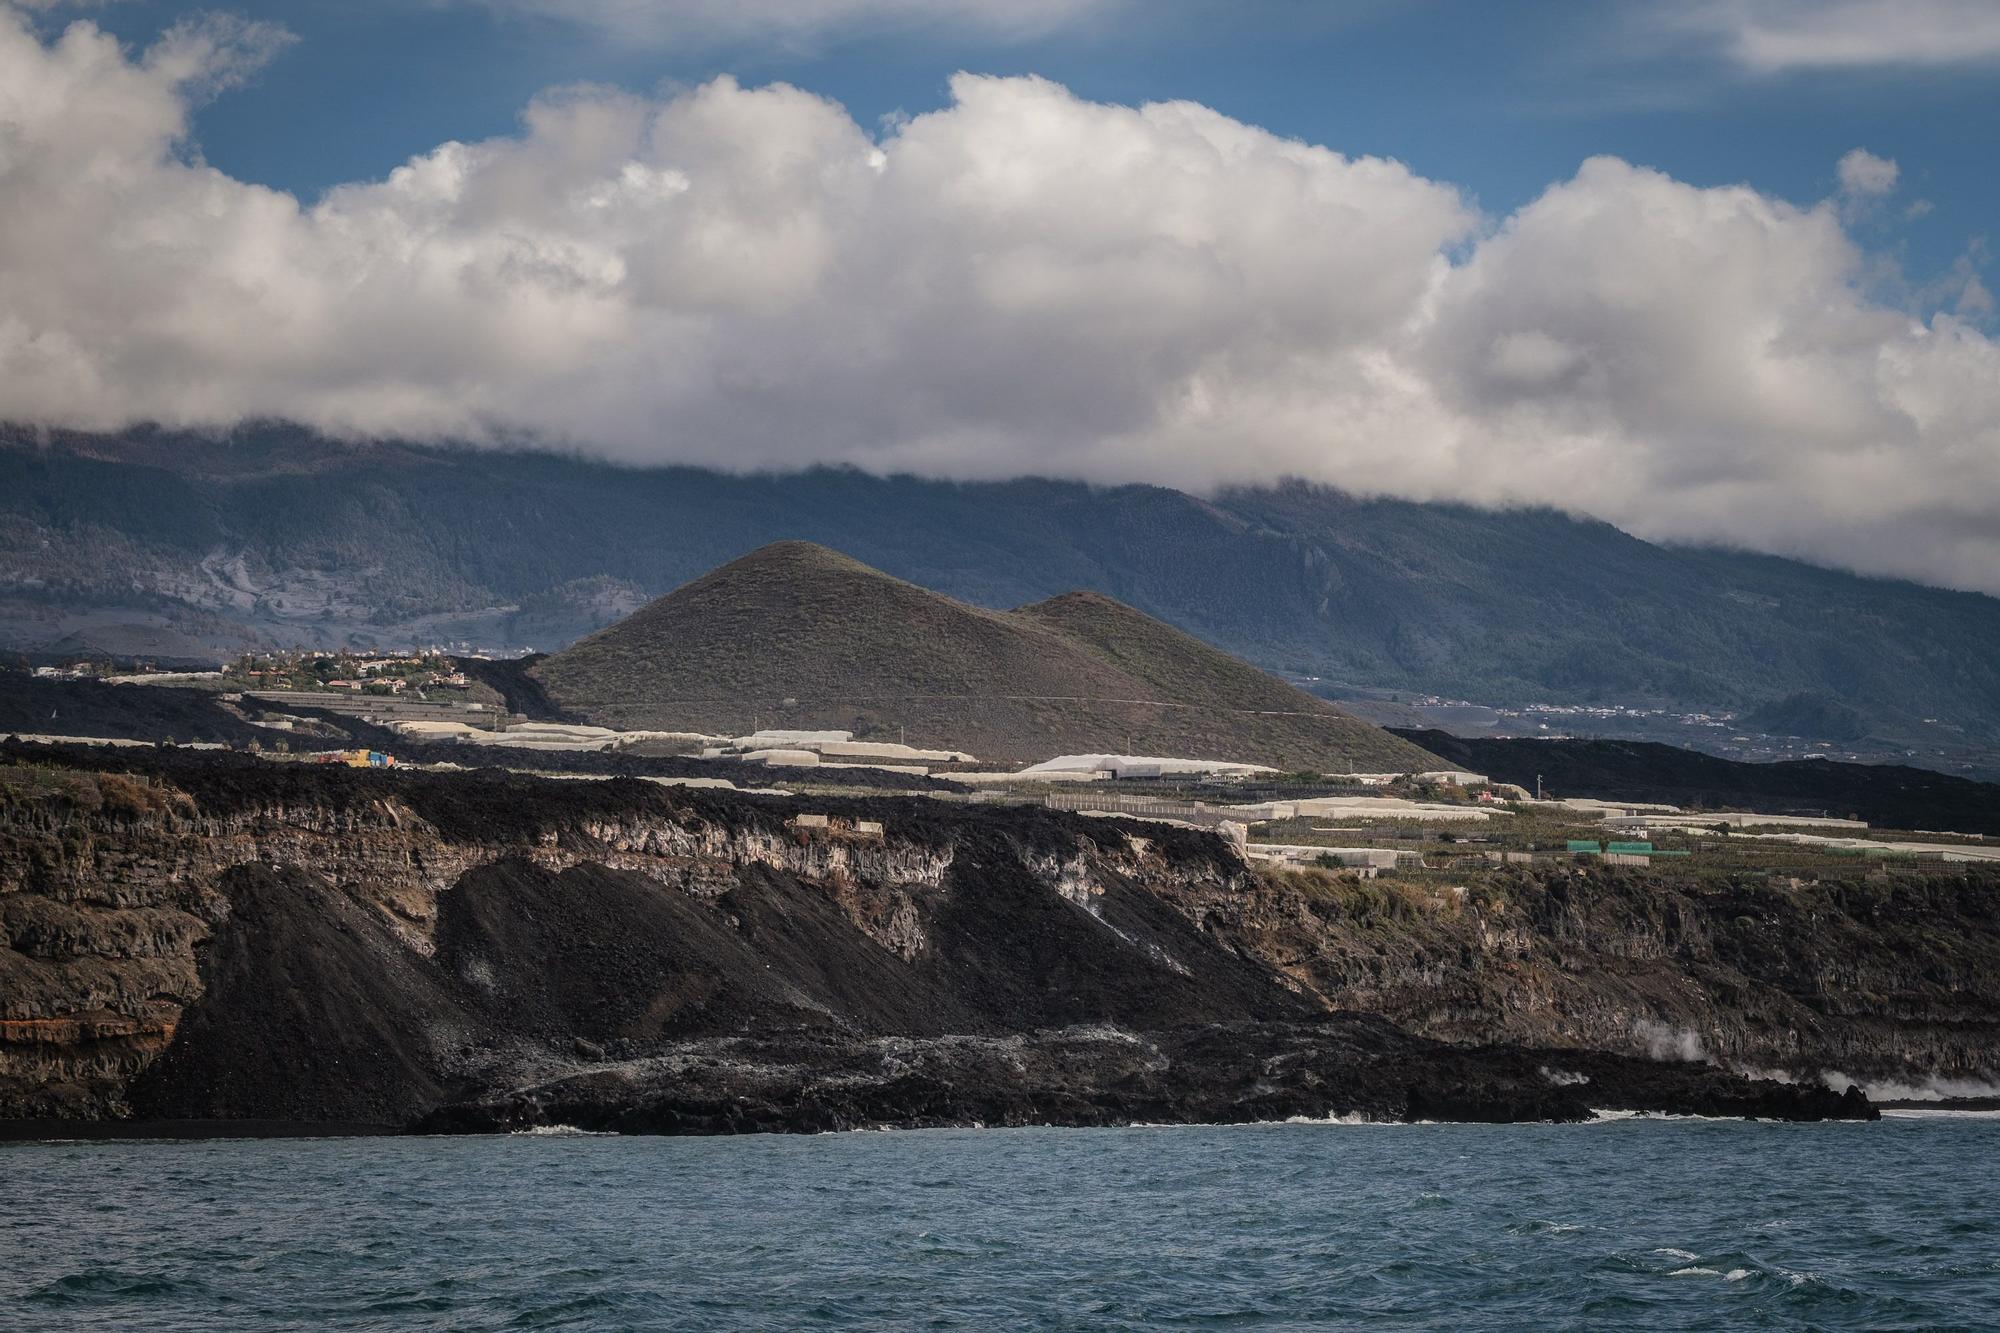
791	21
1019	282
1866	176
1777	36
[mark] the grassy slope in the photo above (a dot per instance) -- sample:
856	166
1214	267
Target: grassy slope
1272	717
851	647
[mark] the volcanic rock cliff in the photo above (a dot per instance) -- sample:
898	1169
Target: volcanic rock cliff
213	938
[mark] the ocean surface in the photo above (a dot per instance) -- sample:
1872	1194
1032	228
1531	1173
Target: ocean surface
1634	1224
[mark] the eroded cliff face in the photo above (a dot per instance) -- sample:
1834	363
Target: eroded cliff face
1885	981
111	884
237	940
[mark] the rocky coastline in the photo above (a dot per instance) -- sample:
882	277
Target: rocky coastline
193	941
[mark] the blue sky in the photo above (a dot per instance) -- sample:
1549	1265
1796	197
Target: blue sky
1499	98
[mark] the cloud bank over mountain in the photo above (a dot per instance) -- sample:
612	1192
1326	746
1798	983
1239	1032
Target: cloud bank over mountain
1019	282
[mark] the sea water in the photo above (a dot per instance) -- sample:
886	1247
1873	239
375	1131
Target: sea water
1635	1224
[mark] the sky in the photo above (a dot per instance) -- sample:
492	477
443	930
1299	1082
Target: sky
1712	270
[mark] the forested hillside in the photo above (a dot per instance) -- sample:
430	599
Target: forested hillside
279	537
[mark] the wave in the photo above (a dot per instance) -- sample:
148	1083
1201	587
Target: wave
1935	1088
1733	1275
1603	1116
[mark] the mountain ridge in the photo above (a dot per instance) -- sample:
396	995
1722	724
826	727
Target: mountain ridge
275	536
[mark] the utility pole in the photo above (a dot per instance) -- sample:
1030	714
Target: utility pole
1538	786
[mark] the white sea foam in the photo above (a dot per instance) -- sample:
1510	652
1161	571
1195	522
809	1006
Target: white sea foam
1686	1256
1768	1075
1669	1043
1933	1088
1342	1119
1602	1116
1733	1275
564	1132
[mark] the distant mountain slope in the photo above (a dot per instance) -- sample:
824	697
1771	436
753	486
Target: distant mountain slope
278	535
796	635
1808	714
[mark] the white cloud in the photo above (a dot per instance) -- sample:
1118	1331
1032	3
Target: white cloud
1866	176
1734	387
1775	36
1019	282
793	21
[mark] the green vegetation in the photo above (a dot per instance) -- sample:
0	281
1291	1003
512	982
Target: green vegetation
1810	715
32	795
1468	855
1368	901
